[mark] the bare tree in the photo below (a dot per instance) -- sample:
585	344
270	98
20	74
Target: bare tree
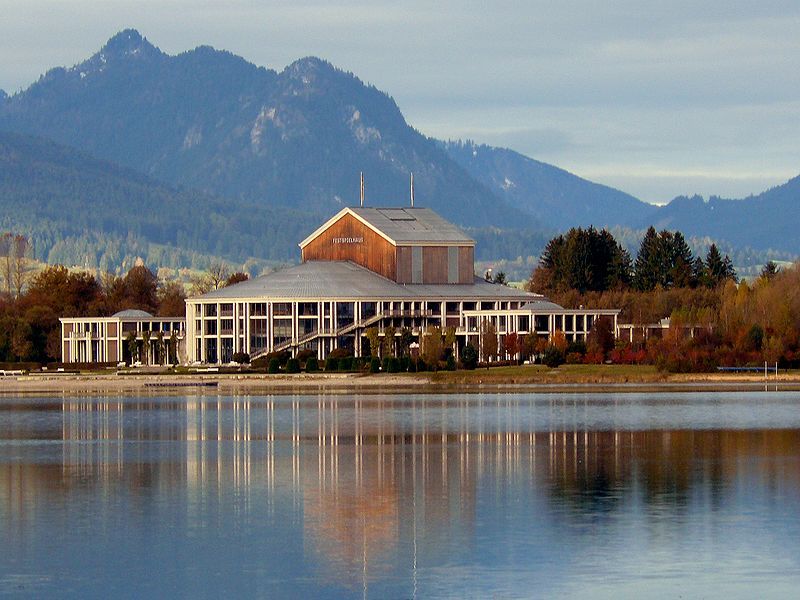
21	268
215	278
6	243
218	275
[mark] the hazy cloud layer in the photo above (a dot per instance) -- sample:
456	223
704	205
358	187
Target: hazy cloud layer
656	98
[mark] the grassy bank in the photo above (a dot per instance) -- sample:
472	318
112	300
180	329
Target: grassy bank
531	378
569	374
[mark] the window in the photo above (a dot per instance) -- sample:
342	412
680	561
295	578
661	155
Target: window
211	328
211	351
258	309
282	309
210	310
305	309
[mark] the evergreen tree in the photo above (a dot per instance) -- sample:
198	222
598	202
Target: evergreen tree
648	262
583	260
681	263
769	271
718	268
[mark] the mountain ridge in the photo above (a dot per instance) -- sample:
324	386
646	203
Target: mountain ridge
211	120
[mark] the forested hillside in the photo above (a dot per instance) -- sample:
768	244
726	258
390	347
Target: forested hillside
768	220
80	210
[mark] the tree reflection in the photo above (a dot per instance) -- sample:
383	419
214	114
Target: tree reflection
372	482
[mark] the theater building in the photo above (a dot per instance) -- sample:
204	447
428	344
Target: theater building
383	268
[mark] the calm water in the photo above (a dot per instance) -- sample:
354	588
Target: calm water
402	496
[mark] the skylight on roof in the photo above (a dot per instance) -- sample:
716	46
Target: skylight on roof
396	214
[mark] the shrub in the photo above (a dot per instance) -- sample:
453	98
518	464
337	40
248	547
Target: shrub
305	354
312	364
292	365
469	357
375	365
274	365
385	364
331	364
576	347
404	364
241	357
421	365
394	365
450	364
553	357
338	353
282	356
346	363
591	358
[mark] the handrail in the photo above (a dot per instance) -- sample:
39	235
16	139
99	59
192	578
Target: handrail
343	329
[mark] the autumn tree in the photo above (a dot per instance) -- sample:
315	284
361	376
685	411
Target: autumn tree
171	298
141	289
405	341
488	340
237	277
432	346
373	337
601	337
388	341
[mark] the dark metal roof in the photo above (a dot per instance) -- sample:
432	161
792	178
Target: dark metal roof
316	280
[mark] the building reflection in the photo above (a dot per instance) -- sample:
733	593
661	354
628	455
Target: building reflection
374	481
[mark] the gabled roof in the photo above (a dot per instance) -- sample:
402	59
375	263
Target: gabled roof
402	226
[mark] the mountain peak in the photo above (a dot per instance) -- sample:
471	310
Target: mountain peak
311	67
128	42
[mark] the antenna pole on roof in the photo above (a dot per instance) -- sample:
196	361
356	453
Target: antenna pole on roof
412	189
362	189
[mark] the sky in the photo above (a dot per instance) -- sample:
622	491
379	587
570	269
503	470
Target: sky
656	98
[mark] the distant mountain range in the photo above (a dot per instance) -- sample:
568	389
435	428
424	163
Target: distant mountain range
555	197
226	145
769	220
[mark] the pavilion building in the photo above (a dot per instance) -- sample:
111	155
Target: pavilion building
108	339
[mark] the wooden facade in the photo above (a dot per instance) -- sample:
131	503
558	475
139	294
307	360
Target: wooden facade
466	264
350	239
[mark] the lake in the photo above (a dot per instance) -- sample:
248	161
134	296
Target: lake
511	495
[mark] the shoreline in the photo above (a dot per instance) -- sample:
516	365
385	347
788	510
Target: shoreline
478	381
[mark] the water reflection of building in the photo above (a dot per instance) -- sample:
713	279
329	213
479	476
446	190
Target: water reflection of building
372	481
